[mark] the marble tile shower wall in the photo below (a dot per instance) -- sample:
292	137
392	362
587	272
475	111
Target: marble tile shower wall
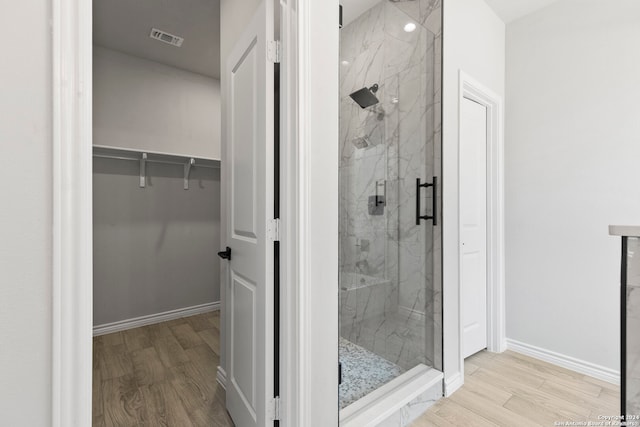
402	134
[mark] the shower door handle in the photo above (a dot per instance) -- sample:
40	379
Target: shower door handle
434	211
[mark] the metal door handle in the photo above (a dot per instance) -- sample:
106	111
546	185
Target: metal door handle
226	254
434	211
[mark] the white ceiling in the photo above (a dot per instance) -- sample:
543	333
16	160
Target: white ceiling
510	10
124	25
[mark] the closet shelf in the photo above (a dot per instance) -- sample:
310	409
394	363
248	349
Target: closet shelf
154	157
143	157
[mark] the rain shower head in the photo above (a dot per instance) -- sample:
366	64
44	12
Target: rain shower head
366	97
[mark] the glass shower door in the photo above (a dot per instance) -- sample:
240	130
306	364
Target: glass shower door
389	138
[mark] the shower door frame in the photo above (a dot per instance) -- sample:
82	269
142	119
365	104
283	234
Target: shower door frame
380	404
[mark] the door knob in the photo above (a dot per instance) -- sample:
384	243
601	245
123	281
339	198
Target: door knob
226	254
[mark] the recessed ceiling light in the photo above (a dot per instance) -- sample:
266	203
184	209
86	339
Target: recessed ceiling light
345	62
410	27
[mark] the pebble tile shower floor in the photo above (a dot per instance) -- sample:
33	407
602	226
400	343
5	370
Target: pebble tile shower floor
362	372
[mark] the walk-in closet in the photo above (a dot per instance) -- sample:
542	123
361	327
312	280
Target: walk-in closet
156	213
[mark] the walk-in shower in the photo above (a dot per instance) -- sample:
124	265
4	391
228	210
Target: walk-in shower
390	266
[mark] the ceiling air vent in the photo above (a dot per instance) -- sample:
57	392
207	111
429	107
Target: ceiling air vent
166	37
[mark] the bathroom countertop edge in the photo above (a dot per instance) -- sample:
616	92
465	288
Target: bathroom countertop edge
624	230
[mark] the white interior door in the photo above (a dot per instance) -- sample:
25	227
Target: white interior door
473	213
249	154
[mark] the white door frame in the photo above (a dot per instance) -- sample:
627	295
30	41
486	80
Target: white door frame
472	89
309	337
309	224
72	214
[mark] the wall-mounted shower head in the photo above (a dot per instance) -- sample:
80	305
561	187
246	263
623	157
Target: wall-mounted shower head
366	97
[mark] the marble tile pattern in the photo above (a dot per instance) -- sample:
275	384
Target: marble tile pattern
405	416
633	326
419	405
362	372
399	318
633	261
397	337
362	297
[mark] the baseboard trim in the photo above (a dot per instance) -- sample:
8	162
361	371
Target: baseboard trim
452	384
151	319
564	361
221	377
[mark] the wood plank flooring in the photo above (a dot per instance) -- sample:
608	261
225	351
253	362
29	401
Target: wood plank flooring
160	375
164	375
510	389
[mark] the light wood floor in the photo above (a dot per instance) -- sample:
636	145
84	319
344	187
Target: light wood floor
510	389
160	375
164	375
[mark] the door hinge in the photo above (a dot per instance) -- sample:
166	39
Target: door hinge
274	51
274	409
273	230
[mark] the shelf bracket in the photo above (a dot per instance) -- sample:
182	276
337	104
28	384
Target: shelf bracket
143	170
187	171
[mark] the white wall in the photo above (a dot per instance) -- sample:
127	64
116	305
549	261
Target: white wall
145	105
154	248
25	215
572	151
474	42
